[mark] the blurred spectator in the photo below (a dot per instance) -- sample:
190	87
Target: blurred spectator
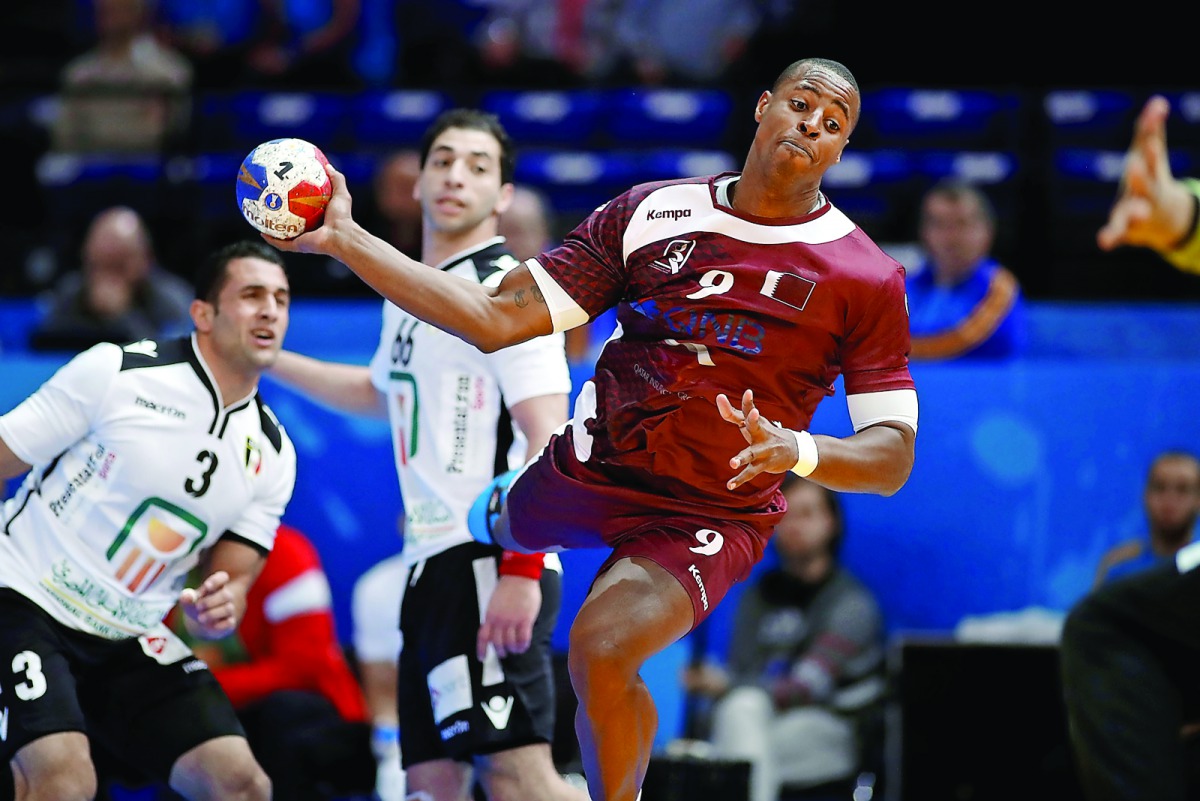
305	45
538	44
526	223
961	301
395	205
119	295
213	35
681	44
375	609
289	680
1172	503
806	666
129	93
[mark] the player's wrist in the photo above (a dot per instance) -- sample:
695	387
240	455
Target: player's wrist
806	454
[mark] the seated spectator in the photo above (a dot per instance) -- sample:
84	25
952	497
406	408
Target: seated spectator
129	93
377	641
961	301
214	36
119	295
290	682
806	665
304	45
1172	502
681	44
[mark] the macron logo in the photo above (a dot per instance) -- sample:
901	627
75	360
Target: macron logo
668	214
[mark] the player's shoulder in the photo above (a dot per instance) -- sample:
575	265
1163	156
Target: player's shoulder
272	429
147	353
487	264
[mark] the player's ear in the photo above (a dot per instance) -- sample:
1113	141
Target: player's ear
202	315
505	199
763	99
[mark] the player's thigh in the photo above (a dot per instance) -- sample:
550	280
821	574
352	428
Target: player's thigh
154	702
37	678
452	704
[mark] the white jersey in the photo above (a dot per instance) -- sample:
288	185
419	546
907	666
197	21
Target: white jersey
138	467
375	609
447	404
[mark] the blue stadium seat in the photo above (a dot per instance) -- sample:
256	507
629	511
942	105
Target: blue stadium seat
548	117
258	117
1089	117
682	117
924	118
874	188
386	120
577	181
665	164
1183	126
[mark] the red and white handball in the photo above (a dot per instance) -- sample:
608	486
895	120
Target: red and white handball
283	189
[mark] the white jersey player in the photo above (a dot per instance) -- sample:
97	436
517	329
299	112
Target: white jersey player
143	460
476	687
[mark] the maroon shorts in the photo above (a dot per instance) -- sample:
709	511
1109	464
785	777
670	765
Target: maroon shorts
559	503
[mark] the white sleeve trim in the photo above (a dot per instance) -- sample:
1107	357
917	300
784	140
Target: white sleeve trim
565	313
895	405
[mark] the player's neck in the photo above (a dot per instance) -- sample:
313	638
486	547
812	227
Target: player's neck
759	202
233	385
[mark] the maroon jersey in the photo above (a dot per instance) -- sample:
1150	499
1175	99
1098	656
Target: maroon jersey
713	301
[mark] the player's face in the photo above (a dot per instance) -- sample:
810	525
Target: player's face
251	315
956	233
460	187
805	124
1173	494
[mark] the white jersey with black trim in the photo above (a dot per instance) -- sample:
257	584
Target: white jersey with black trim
138	467
447	404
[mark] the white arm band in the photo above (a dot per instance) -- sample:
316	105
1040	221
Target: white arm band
869	408
806	447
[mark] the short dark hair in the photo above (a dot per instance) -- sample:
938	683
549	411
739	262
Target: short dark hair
836	67
475	120
833	504
213	273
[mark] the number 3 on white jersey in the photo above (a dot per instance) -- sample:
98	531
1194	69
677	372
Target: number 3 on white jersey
710	542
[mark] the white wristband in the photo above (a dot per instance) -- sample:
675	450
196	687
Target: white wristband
806	448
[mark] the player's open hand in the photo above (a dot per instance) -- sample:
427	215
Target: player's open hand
337	213
770	449
209	610
508	621
1152	209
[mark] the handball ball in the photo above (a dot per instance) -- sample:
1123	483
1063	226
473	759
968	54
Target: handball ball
282	187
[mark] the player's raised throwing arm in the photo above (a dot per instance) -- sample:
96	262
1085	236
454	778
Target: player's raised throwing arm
488	318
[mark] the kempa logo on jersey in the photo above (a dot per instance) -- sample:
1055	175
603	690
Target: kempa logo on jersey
699	583
161	408
668	214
